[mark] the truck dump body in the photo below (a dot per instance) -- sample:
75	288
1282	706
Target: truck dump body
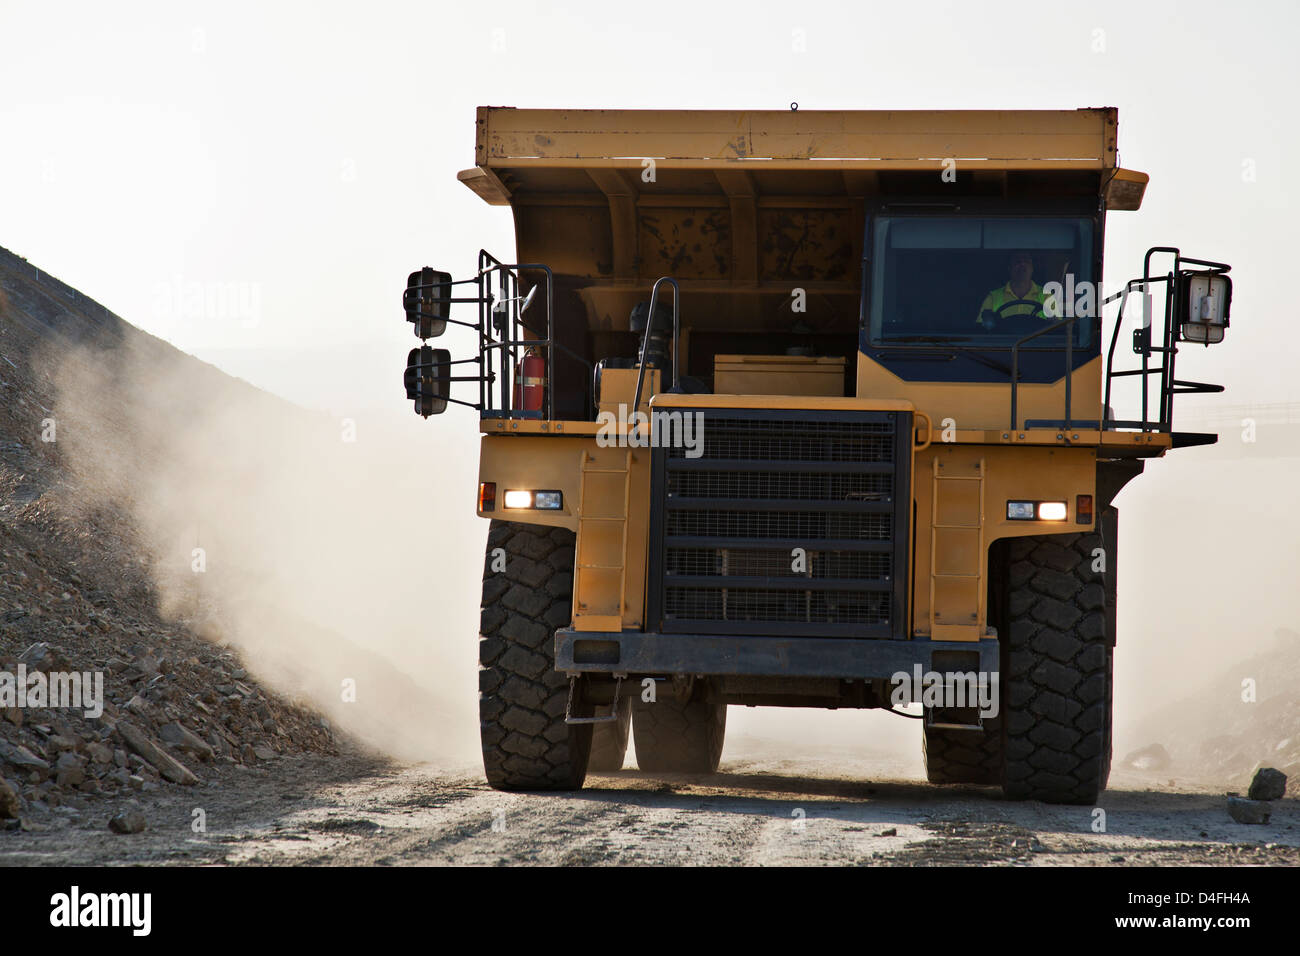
516	143
743	207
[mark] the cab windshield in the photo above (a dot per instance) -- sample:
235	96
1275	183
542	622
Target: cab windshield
979	282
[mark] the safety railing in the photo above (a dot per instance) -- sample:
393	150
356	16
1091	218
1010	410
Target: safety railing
1167	350
649	329
1066	324
500	344
1169	384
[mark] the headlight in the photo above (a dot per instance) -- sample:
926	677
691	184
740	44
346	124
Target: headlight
548	500
1051	511
535	500
1036	511
519	499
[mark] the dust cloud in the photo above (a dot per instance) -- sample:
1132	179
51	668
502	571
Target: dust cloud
323	549
1208	657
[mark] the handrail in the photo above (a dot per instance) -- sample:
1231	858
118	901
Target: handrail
645	340
1168	347
929	432
1122	295
1069	365
508	285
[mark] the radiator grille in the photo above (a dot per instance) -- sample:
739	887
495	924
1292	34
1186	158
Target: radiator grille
806	526
799	485
813	441
789	522
768	562
744	604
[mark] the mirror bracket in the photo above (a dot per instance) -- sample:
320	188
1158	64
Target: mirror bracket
1142	341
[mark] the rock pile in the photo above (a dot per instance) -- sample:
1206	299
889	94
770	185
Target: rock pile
76	597
164	720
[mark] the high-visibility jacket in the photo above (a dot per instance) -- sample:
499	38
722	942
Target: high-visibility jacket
1000	297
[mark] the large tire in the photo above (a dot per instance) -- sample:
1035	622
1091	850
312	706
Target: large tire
963	756
526	743
1110	541
609	741
1056	670
676	737
967	756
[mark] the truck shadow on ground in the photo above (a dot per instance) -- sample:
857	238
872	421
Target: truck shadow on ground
1128	813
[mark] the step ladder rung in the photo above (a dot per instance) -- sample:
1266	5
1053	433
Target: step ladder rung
945	725
937	531
610	618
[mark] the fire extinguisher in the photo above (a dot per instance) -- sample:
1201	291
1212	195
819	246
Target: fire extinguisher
530	382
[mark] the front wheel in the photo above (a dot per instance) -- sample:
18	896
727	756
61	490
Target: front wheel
526	743
1056	670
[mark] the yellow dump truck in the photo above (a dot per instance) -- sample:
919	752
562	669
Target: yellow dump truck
806	409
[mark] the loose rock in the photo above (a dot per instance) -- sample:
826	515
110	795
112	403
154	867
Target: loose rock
20	756
163	762
1248	811
183	739
132	821
1269	784
1154	757
10	803
71	777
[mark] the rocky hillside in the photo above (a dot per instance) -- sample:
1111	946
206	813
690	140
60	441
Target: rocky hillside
76	594
1246	717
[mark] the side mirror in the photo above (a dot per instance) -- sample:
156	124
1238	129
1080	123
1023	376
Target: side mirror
501	309
428	379
1203	301
528	300
427	301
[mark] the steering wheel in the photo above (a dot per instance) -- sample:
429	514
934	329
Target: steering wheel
990	317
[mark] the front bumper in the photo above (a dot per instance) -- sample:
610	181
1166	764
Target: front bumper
712	655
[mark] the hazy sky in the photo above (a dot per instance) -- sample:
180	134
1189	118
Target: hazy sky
297	160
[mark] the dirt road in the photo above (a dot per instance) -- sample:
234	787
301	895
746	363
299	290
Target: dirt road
760	810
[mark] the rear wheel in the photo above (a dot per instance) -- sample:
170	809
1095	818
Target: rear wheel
1056	669
609	740
679	737
963	756
526	743
970	756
